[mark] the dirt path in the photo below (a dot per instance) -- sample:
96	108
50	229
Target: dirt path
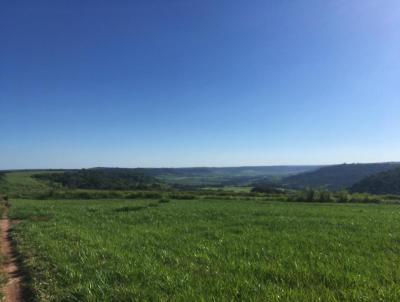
12	290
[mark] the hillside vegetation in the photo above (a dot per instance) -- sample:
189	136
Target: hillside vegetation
337	177
223	176
107	179
382	183
233	171
22	184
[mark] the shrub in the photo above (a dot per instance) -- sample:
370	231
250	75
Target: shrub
310	195
149	195
366	198
343	197
164	200
182	196
325	196
269	189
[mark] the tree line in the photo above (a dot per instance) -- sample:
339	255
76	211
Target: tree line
109	179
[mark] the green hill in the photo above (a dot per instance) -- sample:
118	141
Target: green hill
109	179
25	183
250	171
337	177
22	184
223	176
382	183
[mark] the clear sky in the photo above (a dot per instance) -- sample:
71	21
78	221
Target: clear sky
198	82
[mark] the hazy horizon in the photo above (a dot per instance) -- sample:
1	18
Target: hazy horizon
185	167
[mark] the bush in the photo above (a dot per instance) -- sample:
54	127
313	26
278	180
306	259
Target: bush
366	198
151	195
72	194
343	197
147	195
267	189
325	196
182	196
310	195
164	200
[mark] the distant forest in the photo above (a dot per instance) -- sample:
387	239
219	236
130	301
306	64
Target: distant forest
336	177
382	183
111	179
229	171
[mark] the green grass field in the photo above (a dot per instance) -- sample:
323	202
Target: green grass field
2	275
21	184
209	250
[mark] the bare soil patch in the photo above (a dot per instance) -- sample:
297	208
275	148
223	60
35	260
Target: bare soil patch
12	290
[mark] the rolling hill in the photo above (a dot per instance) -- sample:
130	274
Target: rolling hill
337	177
21	183
219	176
223	176
231	171
382	183
110	179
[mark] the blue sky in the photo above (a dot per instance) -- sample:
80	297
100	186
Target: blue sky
198	83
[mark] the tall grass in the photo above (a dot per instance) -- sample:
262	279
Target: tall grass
209	250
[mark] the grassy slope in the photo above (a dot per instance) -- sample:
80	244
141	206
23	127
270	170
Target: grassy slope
3	276
21	184
209	250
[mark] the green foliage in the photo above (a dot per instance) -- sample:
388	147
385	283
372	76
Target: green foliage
149	195
268	188
336	177
81	194
2	180
181	196
164	200
108	179
382	183
311	195
343	197
208	250
21	184
250	171
190	178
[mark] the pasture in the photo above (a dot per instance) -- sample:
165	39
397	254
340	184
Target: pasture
208	250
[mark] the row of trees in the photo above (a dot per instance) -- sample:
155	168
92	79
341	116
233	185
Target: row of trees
310	195
109	179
